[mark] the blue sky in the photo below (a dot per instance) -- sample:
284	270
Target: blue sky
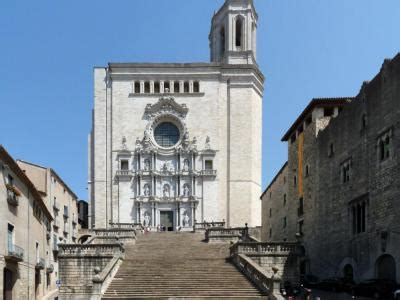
306	49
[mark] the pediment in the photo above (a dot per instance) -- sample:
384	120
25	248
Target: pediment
166	105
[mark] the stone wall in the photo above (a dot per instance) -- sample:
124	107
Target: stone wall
331	196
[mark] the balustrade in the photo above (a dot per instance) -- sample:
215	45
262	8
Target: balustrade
89	249
265	249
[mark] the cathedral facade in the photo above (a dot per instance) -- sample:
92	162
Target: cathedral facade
172	144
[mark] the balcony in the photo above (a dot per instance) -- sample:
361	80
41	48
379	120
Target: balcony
75	220
208	173
49	268
56	223
124	175
66	214
56	206
40	264
14	253
12	197
65	231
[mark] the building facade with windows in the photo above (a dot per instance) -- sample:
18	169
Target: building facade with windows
174	143
342	184
25	238
62	202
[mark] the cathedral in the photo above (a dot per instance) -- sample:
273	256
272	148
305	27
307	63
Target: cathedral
172	144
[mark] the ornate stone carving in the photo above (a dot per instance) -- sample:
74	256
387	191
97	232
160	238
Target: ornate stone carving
166	191
186	220
147	165
146	219
186	165
207	145
146	190
123	143
166	105
186	190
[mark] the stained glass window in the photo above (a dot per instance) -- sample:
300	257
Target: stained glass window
166	134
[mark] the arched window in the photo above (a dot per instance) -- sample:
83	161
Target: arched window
222	40
239	32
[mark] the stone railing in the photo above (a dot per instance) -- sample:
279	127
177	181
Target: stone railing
102	279
225	234
281	257
80	250
204	225
85	270
268	283
262	249
126	225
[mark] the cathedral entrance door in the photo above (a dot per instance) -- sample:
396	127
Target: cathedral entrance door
167	220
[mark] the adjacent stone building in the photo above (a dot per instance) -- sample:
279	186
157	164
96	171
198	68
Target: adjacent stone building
174	143
25	249
62	202
340	184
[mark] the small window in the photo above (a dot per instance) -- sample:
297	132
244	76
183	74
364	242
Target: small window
331	150
137	87
309	120
307	170
186	87
358	212
239	29
222	41
167	86
284	179
270	212
156	87
301	224
284	222
363	121
293	138
384	147
124	165
176	87
196	87
300	211
300	129
147	87
270	195
270	232
295	180
208	164
284	200
328	111
345	168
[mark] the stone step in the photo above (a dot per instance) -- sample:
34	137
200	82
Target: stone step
178	266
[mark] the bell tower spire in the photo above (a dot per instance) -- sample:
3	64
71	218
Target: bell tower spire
233	33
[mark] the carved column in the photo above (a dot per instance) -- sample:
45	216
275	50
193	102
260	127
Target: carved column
152	86
193	214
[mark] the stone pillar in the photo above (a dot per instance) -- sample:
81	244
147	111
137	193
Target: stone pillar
138	211
152	87
162	87
171	86
193	214
153	214
181	88
191	86
141	86
178	214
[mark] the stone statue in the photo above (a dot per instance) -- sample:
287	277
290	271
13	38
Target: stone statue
146	136
186	165
138	144
146	165
186	190
207	145
186	136
186	220
165	167
166	191
146	189
146	219
123	143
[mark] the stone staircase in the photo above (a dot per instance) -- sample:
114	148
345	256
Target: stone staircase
170	265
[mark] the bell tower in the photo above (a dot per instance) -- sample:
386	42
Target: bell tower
233	33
